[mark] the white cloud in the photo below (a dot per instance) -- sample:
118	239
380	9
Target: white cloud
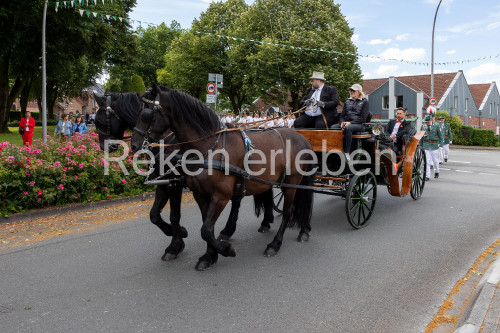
386	70
484	73
465	26
493	25
354	38
451	52
379	41
410	54
403	37
367	75
446	3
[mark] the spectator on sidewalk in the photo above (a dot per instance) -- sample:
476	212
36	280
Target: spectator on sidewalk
79	126
64	127
28	125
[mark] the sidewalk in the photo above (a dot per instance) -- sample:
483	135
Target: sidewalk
473	305
474	147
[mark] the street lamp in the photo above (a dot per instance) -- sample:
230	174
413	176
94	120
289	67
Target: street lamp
432	55
44	76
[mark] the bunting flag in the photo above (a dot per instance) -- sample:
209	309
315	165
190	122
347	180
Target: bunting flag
74	3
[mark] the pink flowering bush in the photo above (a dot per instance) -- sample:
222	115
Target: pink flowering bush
61	172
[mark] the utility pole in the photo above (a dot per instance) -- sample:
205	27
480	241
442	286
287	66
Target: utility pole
44	76
432	56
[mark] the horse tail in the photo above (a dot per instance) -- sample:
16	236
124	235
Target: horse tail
260	201
303	203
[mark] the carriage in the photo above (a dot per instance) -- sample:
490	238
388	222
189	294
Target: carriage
378	165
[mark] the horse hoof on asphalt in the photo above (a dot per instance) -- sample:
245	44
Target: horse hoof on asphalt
223	237
270	252
263	229
203	265
168	256
303	237
227	250
184	232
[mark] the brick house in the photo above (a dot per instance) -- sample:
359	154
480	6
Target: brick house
453	93
487	99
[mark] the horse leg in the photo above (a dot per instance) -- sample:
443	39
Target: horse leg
177	244
161	198
273	247
267	197
230	227
211	210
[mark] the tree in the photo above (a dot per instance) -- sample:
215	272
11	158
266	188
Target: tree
137	84
308	24
152	45
196	53
77	48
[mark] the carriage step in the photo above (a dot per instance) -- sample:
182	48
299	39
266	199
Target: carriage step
361	136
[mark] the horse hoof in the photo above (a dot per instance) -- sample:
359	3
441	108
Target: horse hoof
303	237
168	256
263	229
203	265
270	252
223	237
228	250
184	232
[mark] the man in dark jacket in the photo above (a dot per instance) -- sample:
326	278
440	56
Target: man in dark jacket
321	101
397	128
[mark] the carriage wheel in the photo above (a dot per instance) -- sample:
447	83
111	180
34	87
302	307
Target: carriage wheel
278	202
360	200
418	173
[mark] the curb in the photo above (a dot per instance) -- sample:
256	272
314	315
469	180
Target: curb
477	309
474	147
72	208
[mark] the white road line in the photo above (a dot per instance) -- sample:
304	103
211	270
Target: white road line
444	169
464	171
486	174
459	162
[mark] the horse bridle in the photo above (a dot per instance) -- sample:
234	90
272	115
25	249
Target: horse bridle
109	112
151	113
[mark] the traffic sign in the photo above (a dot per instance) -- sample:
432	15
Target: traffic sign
433	101
211	99
211	88
212	77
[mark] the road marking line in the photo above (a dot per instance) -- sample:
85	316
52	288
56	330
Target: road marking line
444	169
463	171
487	174
459	162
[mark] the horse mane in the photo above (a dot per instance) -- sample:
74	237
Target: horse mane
192	111
128	106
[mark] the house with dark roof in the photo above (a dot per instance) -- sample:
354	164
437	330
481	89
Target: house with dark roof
487	99
451	91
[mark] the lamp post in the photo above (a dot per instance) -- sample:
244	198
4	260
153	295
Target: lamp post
432	53
44	76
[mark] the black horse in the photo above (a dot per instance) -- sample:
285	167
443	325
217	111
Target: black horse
199	129
118	112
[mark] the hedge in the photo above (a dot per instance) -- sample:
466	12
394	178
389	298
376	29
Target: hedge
483	137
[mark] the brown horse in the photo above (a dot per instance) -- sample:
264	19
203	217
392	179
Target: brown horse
198	129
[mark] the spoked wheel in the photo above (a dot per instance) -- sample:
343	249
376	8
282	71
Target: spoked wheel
278	202
418	173
360	199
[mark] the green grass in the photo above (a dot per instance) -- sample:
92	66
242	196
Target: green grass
17	139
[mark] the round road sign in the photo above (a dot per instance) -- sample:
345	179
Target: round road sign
211	88
433	101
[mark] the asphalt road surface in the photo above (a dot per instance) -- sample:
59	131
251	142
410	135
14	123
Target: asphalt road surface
391	276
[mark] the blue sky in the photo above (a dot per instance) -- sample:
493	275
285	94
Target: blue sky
391	29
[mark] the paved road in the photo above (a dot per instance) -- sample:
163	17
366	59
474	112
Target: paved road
389	277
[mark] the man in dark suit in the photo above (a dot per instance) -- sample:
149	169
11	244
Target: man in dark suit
397	128
321	101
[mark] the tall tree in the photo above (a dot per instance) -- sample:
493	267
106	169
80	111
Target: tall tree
308	24
197	53
77	48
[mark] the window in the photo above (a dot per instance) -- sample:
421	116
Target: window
456	102
466	105
399	101
385	102
491	108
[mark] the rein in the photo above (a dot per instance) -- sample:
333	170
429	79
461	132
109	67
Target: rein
256	124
